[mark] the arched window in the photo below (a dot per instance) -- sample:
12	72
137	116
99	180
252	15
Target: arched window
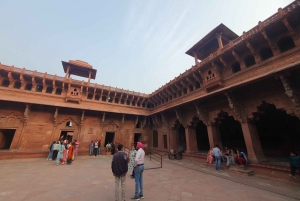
104	98
265	53
58	91
110	99
28	86
138	104
97	97
286	43
249	60
17	85
5	83
90	96
116	100
133	103
49	90
184	91
39	88
127	102
122	101
197	85
235	67
179	93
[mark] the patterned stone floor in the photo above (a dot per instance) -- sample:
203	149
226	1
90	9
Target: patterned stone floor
90	178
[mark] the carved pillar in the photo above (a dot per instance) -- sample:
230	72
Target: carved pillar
196	59
271	43
90	73
295	37
67	72
219	37
174	138
191	140
254	53
214	135
252	141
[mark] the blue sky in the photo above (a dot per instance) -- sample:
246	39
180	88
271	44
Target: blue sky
138	45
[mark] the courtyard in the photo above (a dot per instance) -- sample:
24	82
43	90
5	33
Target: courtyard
90	178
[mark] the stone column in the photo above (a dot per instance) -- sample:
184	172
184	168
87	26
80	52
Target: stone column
174	138
214	135
191	141
219	37
254	150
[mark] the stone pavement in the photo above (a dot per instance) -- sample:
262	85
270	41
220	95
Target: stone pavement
90	178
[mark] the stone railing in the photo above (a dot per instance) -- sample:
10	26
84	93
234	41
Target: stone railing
63	79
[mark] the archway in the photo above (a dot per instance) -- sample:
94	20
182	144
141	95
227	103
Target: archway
179	128
277	131
201	134
231	132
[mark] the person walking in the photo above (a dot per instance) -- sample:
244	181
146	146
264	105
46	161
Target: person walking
55	146
138	172
217	153
70	153
119	167
60	149
51	151
99	148
91	147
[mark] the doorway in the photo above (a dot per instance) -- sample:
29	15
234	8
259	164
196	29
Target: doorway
66	135
137	137
6	138
109	137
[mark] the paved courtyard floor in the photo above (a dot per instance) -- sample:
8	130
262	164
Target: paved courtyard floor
90	178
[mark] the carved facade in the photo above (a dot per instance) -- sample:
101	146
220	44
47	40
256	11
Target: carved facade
242	92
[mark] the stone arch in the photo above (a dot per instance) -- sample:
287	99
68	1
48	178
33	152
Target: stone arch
277	130
286	43
68	119
200	140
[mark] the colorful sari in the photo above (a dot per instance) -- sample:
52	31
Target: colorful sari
210	157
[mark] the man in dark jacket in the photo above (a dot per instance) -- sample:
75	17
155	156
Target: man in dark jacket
119	167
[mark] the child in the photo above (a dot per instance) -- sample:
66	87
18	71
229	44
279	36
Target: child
295	163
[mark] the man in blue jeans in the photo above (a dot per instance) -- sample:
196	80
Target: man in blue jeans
217	153
138	172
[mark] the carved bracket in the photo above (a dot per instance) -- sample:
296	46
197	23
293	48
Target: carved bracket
292	93
26	114
82	118
236	107
202	112
180	118
55	117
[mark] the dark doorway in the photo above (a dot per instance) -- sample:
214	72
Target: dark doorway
109	138
278	132
6	138
66	135
231	132
165	142
182	140
202	136
155	139
137	137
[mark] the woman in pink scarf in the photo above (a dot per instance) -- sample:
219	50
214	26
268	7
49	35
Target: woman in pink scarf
210	157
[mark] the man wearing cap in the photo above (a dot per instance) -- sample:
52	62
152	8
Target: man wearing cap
138	172
119	167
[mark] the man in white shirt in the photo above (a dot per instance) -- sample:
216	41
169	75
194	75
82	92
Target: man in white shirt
217	153
138	172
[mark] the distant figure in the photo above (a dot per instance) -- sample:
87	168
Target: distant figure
217	154
76	148
131	160
225	156
95	148
55	146
91	147
70	153
60	150
113	149
294	163
99	148
241	158
51	151
210	157
108	147
119	167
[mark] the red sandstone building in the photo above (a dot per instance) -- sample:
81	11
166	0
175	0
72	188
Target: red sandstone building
242	92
